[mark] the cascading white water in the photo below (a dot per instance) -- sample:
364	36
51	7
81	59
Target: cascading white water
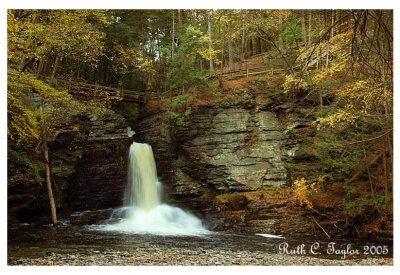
143	212
142	188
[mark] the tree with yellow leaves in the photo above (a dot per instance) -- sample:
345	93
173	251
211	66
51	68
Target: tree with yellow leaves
349	73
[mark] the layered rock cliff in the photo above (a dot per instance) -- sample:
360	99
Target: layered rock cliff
229	159
230	164
88	159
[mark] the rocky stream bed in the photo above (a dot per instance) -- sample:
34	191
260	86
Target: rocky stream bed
156	256
82	246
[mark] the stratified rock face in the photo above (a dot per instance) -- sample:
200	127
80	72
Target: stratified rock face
234	148
100	176
88	160
238	149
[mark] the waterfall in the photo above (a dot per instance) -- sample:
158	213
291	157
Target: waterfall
144	213
142	190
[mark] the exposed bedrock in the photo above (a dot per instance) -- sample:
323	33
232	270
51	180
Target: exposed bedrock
88	159
246	147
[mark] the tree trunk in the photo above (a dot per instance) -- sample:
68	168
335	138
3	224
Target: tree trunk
179	17
251	52
385	172
243	50
25	64
254	46
230	55
363	169
332	23
309	28
321	101
222	49
280	39
47	174
327	57
303	26
55	67
258	40
48	184
173	34
40	68
159	100
371	186
210	42
383	79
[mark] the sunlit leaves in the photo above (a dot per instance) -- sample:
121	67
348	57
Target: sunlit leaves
23	115
294	83
22	124
340	119
74	34
331	63
357	100
365	95
303	192
71	34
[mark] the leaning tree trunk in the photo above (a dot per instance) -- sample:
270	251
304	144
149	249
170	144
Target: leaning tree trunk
48	184
47	175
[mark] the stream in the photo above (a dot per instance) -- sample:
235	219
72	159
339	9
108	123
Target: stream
30	244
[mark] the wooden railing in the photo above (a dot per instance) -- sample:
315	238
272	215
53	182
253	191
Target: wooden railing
245	70
252	71
98	91
256	70
248	71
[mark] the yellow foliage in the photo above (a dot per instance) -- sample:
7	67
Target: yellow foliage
302	192
337	50
337	120
23	116
12	29
69	33
334	70
126	56
293	83
365	95
22	122
358	99
356	93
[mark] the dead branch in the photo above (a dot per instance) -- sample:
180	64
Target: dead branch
370	139
321	227
360	172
